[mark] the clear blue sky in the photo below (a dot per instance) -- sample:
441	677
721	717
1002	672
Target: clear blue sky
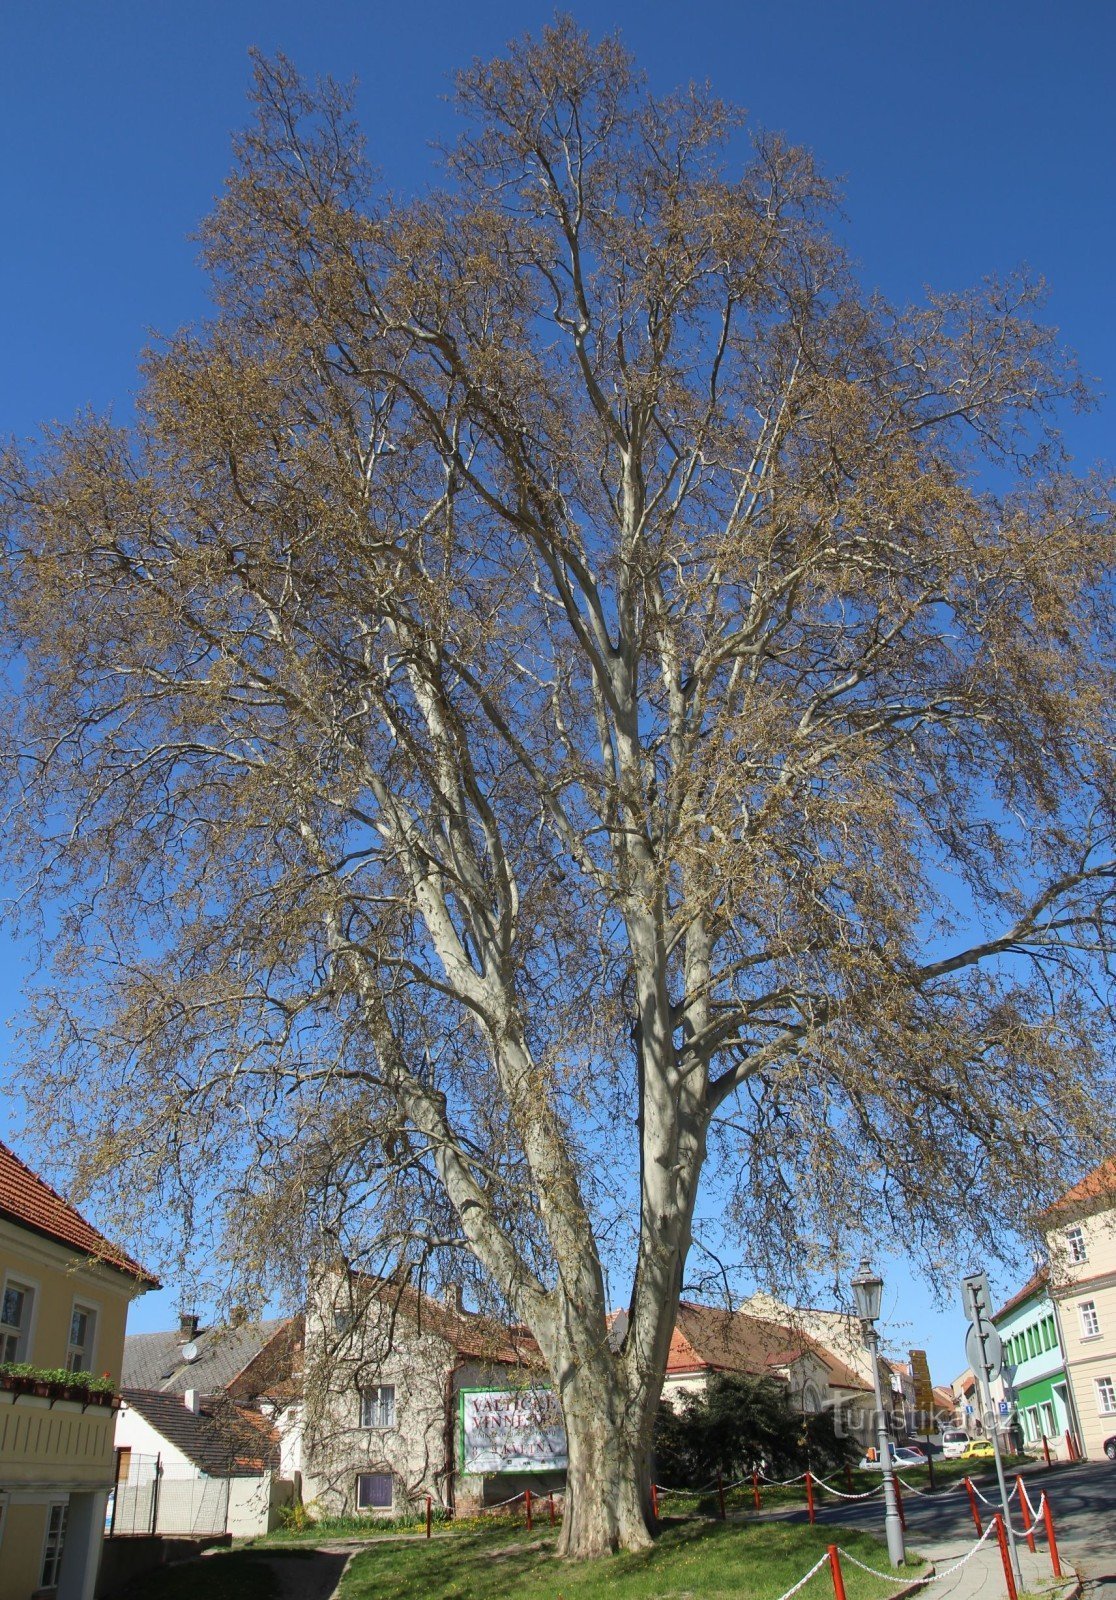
970	138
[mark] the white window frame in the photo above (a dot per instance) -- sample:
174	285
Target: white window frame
53	1548
1075	1242
87	1351
362	1505
26	1330
372	1406
1090	1322
1106	1397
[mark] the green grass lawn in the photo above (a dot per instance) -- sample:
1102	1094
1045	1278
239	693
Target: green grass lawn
690	1561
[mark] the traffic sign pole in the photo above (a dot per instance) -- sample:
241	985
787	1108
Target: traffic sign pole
985	1343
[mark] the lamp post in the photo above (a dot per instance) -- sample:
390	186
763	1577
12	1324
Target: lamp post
867	1289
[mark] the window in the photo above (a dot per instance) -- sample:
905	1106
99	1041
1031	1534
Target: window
15	1321
1106	1397
374	1491
1048	1423
1049	1339
52	1547
1032	1342
79	1355
1090	1322
377	1407
1075	1240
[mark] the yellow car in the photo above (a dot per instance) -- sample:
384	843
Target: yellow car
977	1450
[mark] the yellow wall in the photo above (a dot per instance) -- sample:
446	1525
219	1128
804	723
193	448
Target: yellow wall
48	1452
1094	1279
21	1552
58	1280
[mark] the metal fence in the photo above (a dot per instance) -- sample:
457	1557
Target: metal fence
157	1499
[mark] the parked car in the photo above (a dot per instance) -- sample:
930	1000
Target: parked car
978	1450
901	1456
954	1441
1109	1448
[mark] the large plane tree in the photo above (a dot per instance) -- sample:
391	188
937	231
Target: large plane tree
557	693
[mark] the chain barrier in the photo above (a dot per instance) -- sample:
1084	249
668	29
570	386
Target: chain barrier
938	1576
804	1580
780	1483
500	1504
825	1484
709	1488
1012	1492
924	1494
1028	1533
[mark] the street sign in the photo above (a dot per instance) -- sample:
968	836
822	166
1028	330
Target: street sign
976	1296
993	1351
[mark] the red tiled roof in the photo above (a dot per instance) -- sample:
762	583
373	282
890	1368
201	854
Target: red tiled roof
1032	1286
1100	1184
470	1333
709	1338
27	1200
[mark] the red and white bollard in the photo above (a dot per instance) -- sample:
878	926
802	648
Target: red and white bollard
1001	1540
654	1500
528	1498
810	1497
835	1572
429	1514
1025	1507
1048	1519
550	1503
974	1508
755	1489
1046	1449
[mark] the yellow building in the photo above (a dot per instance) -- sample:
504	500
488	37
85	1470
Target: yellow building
64	1297
1081	1236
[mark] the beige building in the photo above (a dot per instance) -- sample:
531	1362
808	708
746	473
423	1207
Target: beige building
393	1381
64	1297
837	1335
1080	1234
708	1340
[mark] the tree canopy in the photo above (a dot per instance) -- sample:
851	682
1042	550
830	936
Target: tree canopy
560	692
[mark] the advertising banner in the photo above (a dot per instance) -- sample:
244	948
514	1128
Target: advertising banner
511	1430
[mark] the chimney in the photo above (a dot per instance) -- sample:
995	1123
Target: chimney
187	1326
454	1297
192	1401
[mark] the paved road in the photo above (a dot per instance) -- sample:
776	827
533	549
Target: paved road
1082	1498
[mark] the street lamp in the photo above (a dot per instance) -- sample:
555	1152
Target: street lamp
867	1288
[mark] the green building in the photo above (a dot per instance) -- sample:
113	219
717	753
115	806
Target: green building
1035	1388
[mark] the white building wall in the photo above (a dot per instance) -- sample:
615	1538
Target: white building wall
135	1433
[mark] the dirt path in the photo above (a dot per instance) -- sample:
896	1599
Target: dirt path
306	1574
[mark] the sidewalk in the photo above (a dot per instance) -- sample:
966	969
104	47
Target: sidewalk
982	1576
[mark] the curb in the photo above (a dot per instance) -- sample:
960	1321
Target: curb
919	1583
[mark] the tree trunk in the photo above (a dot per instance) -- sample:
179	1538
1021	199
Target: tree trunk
608	1505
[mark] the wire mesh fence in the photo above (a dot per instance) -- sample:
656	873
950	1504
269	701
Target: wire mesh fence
151	1497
